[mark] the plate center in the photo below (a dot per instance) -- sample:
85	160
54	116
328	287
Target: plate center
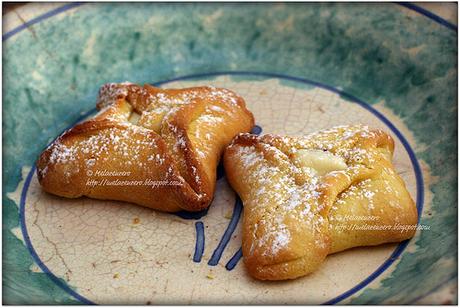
113	252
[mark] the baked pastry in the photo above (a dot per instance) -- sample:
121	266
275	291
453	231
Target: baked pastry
155	147
305	198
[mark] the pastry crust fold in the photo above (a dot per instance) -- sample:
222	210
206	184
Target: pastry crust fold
307	197
158	148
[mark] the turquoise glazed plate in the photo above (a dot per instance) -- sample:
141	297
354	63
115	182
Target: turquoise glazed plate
300	68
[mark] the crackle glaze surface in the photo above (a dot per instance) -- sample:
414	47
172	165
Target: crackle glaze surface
300	67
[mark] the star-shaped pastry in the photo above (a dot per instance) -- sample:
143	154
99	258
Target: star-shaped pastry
307	197
155	147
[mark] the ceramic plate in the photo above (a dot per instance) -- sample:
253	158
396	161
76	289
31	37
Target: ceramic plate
300	68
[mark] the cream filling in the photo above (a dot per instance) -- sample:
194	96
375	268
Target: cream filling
134	118
321	162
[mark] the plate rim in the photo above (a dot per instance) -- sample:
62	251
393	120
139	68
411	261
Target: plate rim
353	99
408	5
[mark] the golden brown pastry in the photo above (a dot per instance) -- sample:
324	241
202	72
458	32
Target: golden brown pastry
305	198
158	148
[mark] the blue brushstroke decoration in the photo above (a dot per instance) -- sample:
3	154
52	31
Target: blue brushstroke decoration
217	254
220	172
199	245
234	260
191	215
256	130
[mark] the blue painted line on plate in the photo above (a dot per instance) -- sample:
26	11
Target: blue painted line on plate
217	254
257	130
453	276
191	215
199	245
40	18
31	249
69	6
396	253
220	172
25	234
429	14
234	260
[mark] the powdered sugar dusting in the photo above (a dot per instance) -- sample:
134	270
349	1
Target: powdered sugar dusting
111	92
139	111
100	147
281	239
286	188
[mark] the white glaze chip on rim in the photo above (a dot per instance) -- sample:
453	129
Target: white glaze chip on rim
113	252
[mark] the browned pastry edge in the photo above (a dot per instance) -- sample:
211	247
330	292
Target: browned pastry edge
116	102
291	262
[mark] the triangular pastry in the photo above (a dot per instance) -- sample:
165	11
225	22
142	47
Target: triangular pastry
155	147
305	198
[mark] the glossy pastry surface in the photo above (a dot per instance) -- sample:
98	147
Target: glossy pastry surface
155	147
